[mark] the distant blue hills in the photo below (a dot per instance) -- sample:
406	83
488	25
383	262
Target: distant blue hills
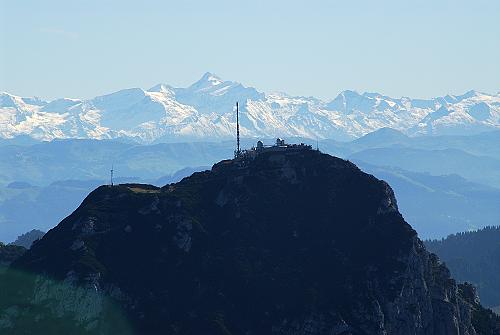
444	184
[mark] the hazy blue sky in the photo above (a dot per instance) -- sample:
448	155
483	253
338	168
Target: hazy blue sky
55	48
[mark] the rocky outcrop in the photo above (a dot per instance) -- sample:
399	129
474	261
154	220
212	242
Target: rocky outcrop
429	301
27	239
290	242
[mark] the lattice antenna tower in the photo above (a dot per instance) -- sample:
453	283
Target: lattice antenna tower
237	153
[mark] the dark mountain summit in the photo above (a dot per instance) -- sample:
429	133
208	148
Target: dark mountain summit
288	242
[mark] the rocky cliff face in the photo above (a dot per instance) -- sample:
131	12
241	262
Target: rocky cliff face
292	242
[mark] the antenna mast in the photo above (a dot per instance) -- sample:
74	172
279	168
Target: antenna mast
237	153
111	174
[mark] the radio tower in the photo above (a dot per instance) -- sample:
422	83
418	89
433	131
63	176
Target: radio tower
111	174
237	153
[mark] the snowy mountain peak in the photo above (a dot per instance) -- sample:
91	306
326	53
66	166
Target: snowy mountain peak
372	95
470	94
122	97
212	78
10	100
161	88
346	94
60	105
457	98
208	80
7	100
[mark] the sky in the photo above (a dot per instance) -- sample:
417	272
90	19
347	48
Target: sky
85	48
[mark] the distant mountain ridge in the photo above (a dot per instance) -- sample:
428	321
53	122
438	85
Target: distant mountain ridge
204	111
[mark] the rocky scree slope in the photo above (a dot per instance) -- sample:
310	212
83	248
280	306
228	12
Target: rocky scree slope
294	242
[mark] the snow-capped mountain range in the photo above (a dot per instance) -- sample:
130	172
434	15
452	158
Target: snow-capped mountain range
205	111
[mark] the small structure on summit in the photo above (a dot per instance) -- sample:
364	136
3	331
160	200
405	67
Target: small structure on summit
280	144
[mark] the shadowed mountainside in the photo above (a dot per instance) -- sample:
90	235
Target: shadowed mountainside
294	242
